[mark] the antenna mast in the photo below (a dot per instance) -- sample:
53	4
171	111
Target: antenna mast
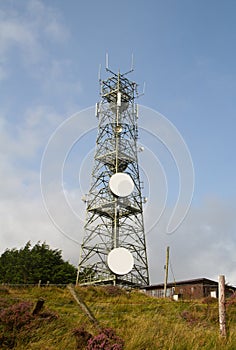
114	228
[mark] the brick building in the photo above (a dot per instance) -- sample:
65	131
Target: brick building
189	289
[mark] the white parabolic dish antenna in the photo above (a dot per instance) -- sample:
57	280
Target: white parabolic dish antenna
121	184
120	261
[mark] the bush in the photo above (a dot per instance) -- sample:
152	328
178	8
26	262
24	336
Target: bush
209	300
16	315
49	315
105	340
231	300
3	303
188	317
82	337
7	342
4	290
113	291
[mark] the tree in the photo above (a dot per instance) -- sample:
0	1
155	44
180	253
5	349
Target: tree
31	264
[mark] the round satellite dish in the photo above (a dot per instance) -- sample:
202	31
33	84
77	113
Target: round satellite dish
121	184
120	261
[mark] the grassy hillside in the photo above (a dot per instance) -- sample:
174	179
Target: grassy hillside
144	323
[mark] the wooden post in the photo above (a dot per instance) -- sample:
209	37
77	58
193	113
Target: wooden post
222	310
84	307
38	306
167	269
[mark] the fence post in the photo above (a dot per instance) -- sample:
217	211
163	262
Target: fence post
38	307
84	307
222	310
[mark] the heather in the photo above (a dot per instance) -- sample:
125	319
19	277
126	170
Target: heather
127	319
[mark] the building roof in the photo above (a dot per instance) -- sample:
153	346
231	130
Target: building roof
205	281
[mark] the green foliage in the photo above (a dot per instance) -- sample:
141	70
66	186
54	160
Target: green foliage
31	264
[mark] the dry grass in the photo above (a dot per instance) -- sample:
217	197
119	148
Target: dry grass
145	323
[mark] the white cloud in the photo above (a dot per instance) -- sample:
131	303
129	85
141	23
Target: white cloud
25	219
48	19
15	34
30	34
203	246
23	216
58	79
23	33
23	140
26	31
3	73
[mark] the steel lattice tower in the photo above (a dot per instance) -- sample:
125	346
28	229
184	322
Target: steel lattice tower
113	221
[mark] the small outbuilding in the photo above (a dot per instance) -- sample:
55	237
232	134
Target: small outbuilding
190	289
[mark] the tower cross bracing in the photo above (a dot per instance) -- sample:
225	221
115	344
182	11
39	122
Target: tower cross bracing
112	220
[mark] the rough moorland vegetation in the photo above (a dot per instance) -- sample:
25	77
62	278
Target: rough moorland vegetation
127	320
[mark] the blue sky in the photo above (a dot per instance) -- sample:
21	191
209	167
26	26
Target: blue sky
185	51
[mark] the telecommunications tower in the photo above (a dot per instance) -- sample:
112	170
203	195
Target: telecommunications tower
113	250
